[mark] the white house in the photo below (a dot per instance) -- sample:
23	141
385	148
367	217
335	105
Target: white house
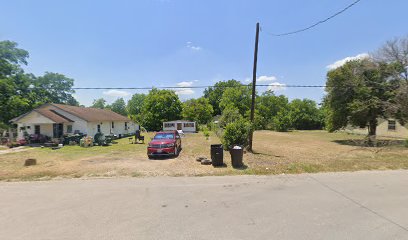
186	126
55	120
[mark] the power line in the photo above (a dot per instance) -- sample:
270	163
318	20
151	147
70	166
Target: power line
214	86
315	24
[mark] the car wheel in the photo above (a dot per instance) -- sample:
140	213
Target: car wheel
150	157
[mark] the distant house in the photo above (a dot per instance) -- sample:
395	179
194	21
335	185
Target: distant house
55	120
186	126
386	128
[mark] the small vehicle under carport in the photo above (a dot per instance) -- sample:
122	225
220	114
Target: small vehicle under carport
166	143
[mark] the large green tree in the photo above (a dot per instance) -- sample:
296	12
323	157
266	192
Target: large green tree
119	106
21	92
268	106
214	94
237	97
158	107
99	103
357	94
305	115
198	110
134	106
55	88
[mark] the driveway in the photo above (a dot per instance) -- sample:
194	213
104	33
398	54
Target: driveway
360	205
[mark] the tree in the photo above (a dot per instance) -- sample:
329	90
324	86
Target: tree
268	106
395	54
198	110
214	94
282	121
237	97
304	115
10	58
358	93
55	88
134	106
119	106
22	92
16	98
99	103
229	115
160	106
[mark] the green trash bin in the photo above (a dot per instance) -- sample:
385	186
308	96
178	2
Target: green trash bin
237	155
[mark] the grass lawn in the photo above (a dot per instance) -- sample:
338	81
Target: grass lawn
274	153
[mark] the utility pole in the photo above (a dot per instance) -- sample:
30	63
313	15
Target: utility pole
251	134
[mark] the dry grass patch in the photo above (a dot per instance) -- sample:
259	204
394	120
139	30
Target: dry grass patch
275	153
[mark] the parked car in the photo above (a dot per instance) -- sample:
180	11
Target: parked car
164	144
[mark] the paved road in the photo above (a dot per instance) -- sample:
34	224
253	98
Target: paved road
362	205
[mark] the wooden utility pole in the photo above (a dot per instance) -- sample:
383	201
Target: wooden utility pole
251	134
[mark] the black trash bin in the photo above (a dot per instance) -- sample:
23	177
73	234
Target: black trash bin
217	155
237	155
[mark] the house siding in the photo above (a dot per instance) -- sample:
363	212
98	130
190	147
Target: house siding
185	129
382	130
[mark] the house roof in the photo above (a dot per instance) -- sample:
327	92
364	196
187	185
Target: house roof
87	114
180	121
91	114
53	115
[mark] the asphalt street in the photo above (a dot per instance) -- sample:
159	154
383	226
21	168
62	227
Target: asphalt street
359	205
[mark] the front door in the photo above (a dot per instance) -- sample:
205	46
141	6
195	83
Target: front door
58	130
179	126
37	129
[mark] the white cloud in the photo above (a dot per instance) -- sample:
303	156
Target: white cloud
185	84
193	47
343	61
266	79
276	86
184	88
185	91
116	93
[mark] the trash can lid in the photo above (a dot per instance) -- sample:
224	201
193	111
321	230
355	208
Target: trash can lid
237	147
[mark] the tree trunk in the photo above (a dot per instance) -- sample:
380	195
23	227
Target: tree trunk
372	132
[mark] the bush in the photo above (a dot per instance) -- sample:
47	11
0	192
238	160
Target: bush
281	121
406	143
236	133
206	134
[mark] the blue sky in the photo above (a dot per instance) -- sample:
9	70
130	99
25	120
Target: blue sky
168	42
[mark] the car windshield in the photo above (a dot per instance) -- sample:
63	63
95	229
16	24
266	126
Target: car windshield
164	136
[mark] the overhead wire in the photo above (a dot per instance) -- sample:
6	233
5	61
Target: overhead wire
315	24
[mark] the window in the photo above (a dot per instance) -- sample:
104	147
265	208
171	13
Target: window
168	125
392	125
190	125
113	125
69	128
99	128
37	129
126	126
164	136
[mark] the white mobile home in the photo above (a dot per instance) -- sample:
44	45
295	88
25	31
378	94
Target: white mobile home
184	125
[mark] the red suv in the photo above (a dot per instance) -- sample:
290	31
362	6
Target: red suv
164	144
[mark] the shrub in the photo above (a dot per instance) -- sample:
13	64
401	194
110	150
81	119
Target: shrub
281	122
236	133
406	143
